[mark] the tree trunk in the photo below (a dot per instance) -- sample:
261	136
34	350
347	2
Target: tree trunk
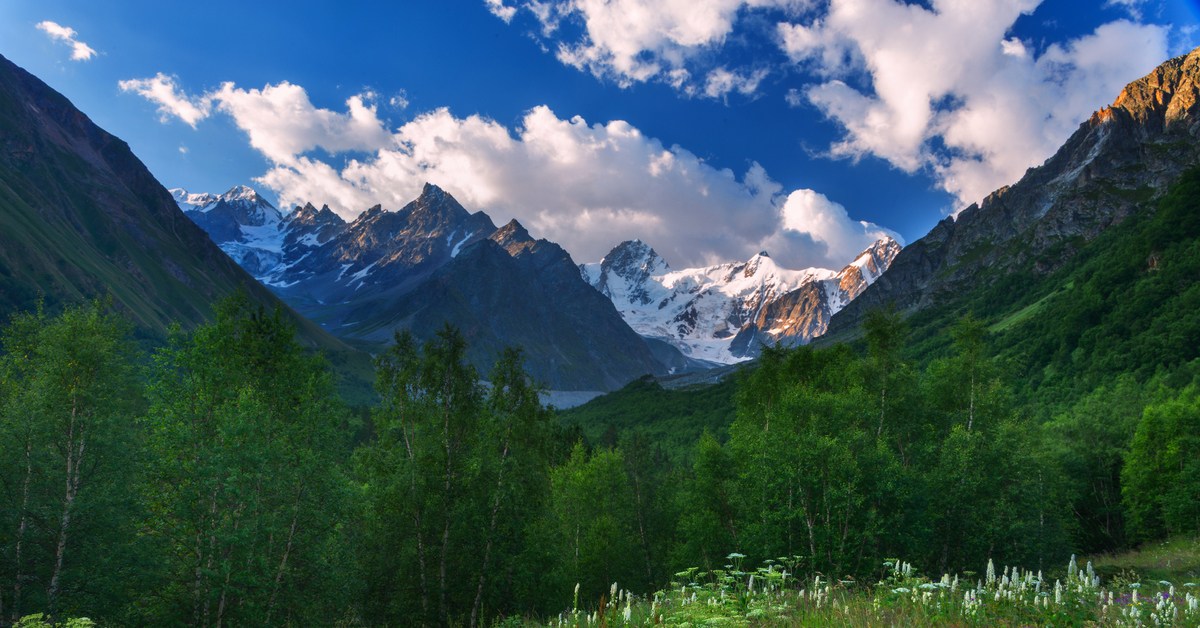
412	458
487	553
971	412
882	405
637	488
199	589
443	612
22	526
237	520
74	470
286	552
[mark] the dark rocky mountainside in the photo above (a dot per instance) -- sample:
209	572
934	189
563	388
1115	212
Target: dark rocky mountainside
1118	160
81	217
380	255
512	290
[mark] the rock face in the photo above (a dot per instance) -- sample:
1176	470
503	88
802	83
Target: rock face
380	255
722	313
510	289
434	262
1122	157
82	217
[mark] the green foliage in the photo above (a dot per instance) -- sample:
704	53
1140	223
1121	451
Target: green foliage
1125	303
672	419
1161	478
243	483
40	621
68	398
451	484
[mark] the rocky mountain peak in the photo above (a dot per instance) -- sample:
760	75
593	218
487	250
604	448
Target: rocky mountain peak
436	200
1162	99
759	261
432	193
192	202
310	215
633	258
512	237
622	275
241	192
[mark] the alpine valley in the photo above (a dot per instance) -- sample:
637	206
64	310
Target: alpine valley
1018	389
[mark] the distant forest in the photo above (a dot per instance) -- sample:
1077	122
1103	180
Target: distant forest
221	481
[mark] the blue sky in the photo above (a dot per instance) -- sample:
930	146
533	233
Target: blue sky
710	129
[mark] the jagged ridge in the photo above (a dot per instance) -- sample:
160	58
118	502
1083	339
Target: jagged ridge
721	313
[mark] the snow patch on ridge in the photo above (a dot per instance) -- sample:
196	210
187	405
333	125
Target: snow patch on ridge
458	247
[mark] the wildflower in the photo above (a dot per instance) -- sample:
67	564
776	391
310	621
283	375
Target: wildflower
1058	592
991	573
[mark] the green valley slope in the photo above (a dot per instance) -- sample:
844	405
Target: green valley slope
82	217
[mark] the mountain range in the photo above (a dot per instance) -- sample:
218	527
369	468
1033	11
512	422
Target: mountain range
1119	160
430	263
583	327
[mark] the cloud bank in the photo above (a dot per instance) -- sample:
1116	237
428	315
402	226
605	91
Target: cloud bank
944	91
79	50
586	187
951	93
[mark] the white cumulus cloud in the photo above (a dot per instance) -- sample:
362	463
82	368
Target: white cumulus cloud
721	81
282	123
79	50
164	91
498	9
632	41
951	93
586	187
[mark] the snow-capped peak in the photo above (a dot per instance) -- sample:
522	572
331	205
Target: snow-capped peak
705	312
241	193
193	202
873	261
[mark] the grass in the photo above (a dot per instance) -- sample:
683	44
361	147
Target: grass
1176	559
1027	311
1155	586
